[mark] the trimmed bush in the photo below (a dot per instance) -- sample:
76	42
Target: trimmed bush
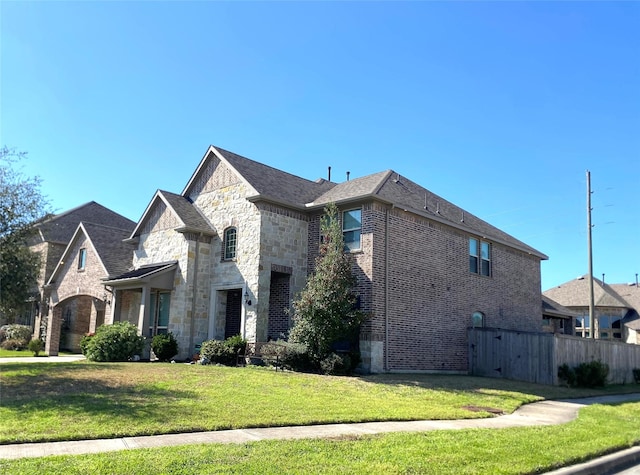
592	375
14	345
336	364
117	342
164	346
222	352
585	375
36	346
288	355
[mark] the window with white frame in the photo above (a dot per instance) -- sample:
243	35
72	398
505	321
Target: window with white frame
230	244
351	229
479	257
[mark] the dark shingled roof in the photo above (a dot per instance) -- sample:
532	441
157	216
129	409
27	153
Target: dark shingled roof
274	184
186	212
189	216
116	255
60	228
144	271
575	293
554	309
393	188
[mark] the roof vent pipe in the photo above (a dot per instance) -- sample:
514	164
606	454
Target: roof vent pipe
329	177
348	173
603	277
636	279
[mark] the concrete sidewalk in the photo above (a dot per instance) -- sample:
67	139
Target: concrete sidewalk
43	359
535	414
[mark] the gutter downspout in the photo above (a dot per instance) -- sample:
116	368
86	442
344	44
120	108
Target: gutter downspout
194	296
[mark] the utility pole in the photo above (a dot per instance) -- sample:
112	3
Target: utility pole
592	322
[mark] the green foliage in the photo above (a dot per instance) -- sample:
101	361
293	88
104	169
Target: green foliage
36	345
85	341
164	346
592	375
325	311
288	355
17	332
636	375
585	375
21	205
567	375
117	342
13	345
222	352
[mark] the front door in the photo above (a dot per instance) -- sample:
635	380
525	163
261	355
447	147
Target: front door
233	313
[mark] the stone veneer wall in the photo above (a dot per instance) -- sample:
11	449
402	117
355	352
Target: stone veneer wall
283	249
221	198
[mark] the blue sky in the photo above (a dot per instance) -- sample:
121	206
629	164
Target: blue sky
498	107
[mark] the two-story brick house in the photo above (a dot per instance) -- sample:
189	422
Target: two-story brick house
51	238
229	253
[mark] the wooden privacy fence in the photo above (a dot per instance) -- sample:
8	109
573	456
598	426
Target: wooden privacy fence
535	357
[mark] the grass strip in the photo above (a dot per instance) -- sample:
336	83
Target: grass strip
599	429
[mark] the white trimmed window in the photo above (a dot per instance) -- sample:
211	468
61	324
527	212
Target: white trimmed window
479	257
230	244
351	229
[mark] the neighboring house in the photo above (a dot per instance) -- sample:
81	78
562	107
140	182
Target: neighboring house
51	239
228	255
557	318
616	307
77	298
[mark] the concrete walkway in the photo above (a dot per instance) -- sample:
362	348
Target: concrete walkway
535	414
43	359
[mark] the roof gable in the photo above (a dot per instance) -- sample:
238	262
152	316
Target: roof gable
263	182
106	243
171	211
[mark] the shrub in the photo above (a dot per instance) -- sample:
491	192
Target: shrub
84	343
336	364
636	375
592	375
18	332
585	375
36	345
222	352
117	342
567	375
14	345
164	346
288	355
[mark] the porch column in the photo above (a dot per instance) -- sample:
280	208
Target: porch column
145	311
54	326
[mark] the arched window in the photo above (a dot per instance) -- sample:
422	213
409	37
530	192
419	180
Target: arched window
230	244
477	320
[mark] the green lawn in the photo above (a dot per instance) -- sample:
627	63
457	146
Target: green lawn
89	400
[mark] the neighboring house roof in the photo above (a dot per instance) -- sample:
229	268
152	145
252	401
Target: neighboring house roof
270	184
554	309
575	293
188	216
107	242
61	227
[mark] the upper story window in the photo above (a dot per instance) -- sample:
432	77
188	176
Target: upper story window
479	257
82	259
230	243
351	229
